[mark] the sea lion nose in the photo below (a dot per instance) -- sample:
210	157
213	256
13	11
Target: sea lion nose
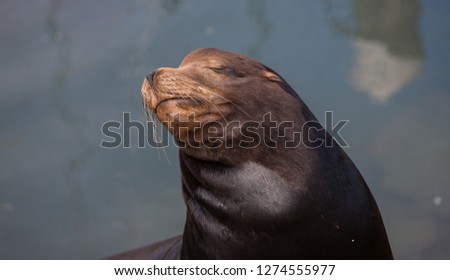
149	78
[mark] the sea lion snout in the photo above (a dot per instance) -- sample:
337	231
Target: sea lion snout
149	78
146	90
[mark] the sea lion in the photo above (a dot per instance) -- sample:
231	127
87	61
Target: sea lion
254	188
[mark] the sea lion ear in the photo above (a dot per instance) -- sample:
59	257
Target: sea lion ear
272	77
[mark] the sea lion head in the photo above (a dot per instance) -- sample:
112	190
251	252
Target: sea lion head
212	88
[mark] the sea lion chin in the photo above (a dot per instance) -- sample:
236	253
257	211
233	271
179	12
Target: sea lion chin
261	199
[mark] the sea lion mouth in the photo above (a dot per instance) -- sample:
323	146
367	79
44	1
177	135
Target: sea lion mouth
164	101
182	102
153	96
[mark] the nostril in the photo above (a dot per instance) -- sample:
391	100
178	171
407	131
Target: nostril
150	78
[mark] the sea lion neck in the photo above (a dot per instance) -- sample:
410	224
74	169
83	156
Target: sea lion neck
233	206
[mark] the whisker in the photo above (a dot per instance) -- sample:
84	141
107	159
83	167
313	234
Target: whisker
218	111
151	116
188	96
231	102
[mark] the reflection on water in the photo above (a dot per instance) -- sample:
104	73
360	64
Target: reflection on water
386	43
380	73
68	67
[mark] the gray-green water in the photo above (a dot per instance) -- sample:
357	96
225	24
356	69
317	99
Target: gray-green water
66	67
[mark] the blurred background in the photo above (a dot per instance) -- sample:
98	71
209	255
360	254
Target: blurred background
67	67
